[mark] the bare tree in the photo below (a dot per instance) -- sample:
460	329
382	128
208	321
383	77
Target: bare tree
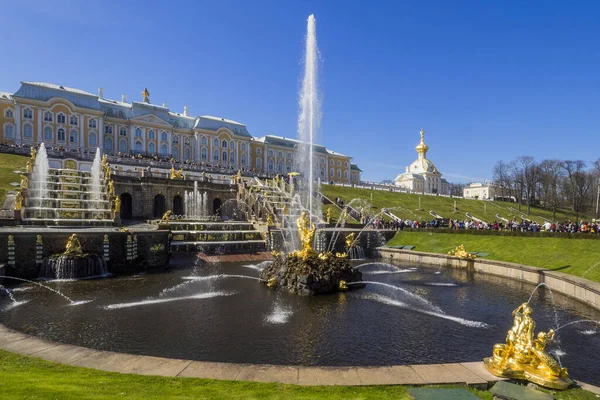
456	189
551	173
502	178
578	183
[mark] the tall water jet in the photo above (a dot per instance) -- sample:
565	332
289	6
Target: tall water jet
96	192
310	113
39	177
195	203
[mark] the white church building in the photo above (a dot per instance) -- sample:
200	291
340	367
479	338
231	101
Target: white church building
422	176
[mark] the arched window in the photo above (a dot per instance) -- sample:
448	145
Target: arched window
232	157
122	131
215	155
175	139
73	120
151	134
339	163
164	136
279	166
47	116
108	142
73	136
270	165
232	145
186	153
175	152
186	141
280	154
288	155
28	131
8	113
259	163
244	159
288	166
138	132
92	123
163	150
122	145
331	172
151	148
60	118
345	174
203	153
258	151
48	135
224	143
270	153
346	164
224	156
204	140
216	143
322	172
339	173
9	131
138	147
243	146
108	130
60	135
28	113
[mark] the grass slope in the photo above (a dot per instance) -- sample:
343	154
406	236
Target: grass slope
572	256
405	205
8	164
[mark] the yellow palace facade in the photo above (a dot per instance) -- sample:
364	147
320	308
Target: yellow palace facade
77	120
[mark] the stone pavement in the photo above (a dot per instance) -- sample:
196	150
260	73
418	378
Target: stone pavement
469	373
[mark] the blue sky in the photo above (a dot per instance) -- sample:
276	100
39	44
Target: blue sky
486	80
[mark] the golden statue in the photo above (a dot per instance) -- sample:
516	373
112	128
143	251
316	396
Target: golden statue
24	182
30	165
524	356
341	255
328	214
111	187
33	153
73	246
117	204
146	95
306	230
284	210
460	252
165	217
18	200
176	174
269	220
344	214
342	285
272	282
38	239
350	240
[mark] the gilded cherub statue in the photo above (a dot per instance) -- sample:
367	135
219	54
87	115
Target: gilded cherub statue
73	246
166	216
306	230
24	182
18	200
270	220
117	204
523	356
350	240
176	174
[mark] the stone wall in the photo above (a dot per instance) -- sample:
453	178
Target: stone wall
581	289
152	250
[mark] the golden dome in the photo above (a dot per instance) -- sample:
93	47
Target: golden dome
422	147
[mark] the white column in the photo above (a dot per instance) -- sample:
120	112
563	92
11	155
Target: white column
169	143
17	124
100	135
197	146
265	153
82	145
116	137
132	139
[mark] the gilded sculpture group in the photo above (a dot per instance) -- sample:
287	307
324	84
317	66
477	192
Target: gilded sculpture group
110	185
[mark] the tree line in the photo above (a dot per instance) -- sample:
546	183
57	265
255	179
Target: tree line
552	184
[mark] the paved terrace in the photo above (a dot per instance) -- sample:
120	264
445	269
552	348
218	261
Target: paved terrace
469	373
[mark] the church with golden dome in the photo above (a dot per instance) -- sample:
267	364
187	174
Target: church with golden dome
422	176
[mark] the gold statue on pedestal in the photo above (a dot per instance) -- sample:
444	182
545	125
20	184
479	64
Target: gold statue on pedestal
116	204
73	246
18	201
328	215
24	182
111	187
166	216
176	174
146	96
306	230
270	220
350	240
524	356
460	252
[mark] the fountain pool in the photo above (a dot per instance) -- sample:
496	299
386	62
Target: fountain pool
408	315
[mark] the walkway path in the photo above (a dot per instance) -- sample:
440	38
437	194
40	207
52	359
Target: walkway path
470	373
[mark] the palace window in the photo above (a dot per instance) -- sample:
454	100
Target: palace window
163	150
270	153
224	157
232	145
186	141
331	172
163	136
93	140
8	113
61	118
60	135
48	135
73	120
186	153
138	132
138	147
47	116
288	167
151	148
279	166
28	113
259	163
270	165
108	143
339	173
92	123
73	136
322	172
339	163
232	157
244	159
28	131
280	154
151	134
122	131
345	174
175	152
330	162
224	143
175	139
243	146
204	140
289	155
122	145
215	155
258	151
9	131
108	130
216	143
204	153
345	164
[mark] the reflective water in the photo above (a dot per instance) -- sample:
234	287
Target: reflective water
216	313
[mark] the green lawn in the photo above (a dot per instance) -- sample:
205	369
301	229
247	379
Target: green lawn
8	164
405	205
33	378
572	256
